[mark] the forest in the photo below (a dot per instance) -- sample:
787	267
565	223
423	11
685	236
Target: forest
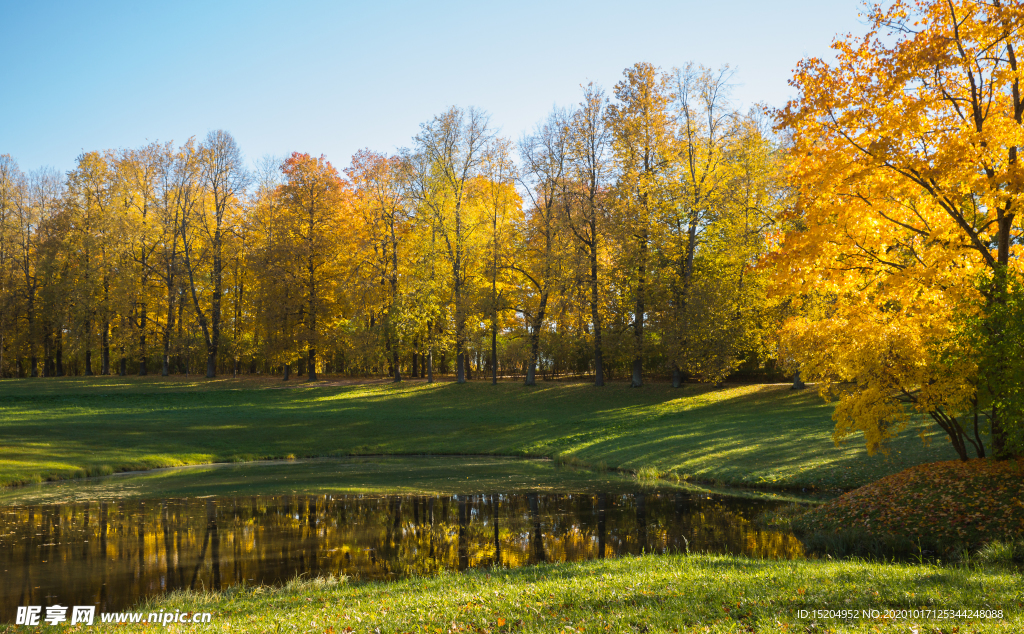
621	238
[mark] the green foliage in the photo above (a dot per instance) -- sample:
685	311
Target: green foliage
995	337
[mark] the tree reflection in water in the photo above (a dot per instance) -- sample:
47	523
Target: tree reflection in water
131	549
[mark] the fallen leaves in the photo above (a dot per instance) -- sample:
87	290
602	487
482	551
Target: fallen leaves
973	502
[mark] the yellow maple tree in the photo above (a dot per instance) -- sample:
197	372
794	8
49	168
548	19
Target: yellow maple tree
904	152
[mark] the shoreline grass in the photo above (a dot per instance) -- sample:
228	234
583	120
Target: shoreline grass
659	593
764	436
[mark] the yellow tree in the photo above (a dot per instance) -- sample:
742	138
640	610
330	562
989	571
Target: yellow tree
542	240
206	229
315	203
379	200
642	144
11	182
727	319
50	225
276	304
905	153
90	201
450	152
139	176
706	128
502	208
590	167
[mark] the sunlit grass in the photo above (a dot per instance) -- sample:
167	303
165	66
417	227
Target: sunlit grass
392	475
697	593
762	435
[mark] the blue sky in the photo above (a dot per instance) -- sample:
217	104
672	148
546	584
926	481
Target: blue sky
332	77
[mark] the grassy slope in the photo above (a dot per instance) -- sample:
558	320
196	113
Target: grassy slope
669	593
56	428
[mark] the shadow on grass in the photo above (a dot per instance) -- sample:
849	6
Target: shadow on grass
745	434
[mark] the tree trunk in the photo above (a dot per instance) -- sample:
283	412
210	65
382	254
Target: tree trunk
286	370
88	348
494	354
311	363
46	356
460	327
143	370
638	320
59	353
105	350
797	383
595	316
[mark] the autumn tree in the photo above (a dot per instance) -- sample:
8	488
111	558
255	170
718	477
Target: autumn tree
314	200
141	179
379	198
205	230
11	185
705	128
450	151
502	206
590	168
639	121
905	153
89	204
544	155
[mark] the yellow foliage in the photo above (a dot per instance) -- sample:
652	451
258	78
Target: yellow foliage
904	156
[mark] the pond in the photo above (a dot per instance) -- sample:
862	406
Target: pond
114	541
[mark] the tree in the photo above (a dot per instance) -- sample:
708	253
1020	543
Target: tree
140	174
380	202
313	198
89	203
207	227
590	168
11	186
642	143
503	204
542	247
706	127
905	155
450	152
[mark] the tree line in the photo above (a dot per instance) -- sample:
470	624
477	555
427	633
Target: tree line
620	238
865	237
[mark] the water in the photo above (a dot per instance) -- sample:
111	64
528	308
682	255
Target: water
114	551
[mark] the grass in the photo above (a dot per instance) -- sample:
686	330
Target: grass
387	475
667	593
751	435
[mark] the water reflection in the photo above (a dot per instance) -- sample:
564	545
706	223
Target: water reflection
112	554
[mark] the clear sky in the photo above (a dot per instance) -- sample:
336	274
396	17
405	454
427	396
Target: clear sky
332	77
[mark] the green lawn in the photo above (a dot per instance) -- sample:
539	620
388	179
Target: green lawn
376	475
667	593
750	434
